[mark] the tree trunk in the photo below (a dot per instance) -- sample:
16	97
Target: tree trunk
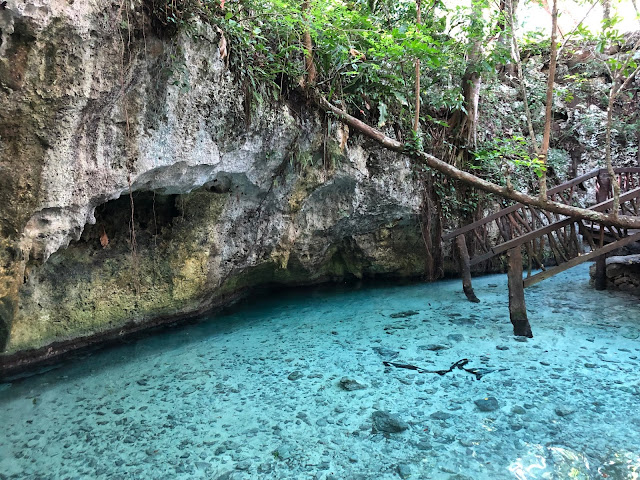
638	144
416	119
310	66
471	82
465	122
603	187
606	10
607	147
507	33
523	86
465	270
544	151
517	306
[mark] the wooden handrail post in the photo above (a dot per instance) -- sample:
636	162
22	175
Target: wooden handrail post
603	187
600	279
465	269
517	306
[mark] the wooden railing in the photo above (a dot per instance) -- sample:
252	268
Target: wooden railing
542	232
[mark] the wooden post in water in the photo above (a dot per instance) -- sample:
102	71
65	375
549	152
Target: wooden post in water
465	269
517	306
600	279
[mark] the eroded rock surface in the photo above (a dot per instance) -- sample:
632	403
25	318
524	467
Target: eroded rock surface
134	187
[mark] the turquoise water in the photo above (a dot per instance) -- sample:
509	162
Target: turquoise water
258	393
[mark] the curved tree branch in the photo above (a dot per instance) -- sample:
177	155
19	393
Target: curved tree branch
625	221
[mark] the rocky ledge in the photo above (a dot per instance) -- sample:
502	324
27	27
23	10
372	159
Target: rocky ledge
623	273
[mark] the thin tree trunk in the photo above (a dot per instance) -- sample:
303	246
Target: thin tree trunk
523	86
310	66
505	37
607	147
464	122
471	91
603	187
544	151
545	5
472	81
638	144
416	120
606	10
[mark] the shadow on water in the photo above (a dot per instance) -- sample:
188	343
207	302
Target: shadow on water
256	305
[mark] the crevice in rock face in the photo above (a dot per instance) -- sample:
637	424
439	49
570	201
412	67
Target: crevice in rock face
153	215
348	261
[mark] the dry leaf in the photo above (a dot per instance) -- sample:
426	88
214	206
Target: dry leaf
356	54
104	240
222	45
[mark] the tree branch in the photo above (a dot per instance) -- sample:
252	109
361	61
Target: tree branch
624	221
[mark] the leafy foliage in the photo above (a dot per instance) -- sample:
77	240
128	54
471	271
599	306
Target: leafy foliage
364	49
502	157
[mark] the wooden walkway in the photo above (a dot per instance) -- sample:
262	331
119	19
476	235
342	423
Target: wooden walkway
569	241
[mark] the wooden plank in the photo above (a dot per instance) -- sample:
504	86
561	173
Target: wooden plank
503	247
481	258
479	223
626	169
538	277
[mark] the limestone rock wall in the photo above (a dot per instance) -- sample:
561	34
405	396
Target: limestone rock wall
99	116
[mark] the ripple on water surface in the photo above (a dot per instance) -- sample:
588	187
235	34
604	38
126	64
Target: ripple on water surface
295	388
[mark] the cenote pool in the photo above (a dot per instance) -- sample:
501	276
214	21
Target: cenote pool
294	387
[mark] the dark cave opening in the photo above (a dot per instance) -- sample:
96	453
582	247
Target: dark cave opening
153	216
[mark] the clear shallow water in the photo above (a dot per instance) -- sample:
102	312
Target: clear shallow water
255	393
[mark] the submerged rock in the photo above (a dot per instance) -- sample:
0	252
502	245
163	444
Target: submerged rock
518	410
349	384
488	404
386	352
385	422
408	313
564	410
434	347
404	470
293	376
439	415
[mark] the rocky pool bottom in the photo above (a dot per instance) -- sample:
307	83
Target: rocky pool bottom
318	384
